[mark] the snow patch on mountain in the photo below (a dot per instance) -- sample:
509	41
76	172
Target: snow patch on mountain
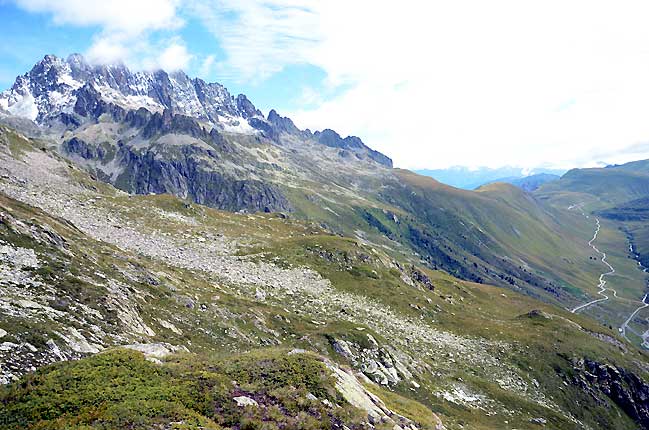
237	125
128	102
67	79
53	85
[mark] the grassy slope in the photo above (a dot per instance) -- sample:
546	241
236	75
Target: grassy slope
498	235
541	347
523	232
609	186
610	193
457	306
484	311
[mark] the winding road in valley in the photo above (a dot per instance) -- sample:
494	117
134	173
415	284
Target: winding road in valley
625	325
602	281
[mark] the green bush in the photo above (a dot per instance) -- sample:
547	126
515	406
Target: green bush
119	389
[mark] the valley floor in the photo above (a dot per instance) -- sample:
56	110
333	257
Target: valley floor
618	289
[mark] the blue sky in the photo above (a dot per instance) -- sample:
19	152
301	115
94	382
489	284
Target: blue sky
432	84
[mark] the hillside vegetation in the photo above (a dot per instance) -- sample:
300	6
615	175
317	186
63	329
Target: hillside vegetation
172	258
87	268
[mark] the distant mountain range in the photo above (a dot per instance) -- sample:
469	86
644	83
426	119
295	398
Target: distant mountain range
531	182
470	179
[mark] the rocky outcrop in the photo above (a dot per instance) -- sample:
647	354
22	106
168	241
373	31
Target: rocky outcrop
626	389
247	109
187	175
354	144
83	149
421	278
159	124
282	124
382	364
155	352
377	412
243	401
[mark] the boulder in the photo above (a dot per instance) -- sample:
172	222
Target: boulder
243	401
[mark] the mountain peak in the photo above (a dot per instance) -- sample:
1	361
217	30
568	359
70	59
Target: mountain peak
76	57
49	93
51	89
282	123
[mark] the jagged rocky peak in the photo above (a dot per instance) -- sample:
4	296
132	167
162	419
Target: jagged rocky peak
284	124
45	88
53	85
349	144
71	91
246	107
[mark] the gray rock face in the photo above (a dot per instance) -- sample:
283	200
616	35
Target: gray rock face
377	412
352	143
113	120
55	89
247	109
380	364
243	401
154	352
145	174
624	388
282	123
186	174
82	149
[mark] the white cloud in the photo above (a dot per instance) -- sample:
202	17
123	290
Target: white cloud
124	29
123	16
206	66
460	82
174	57
259	37
432	84
107	50
309	96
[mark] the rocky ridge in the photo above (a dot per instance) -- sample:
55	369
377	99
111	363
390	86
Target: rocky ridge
56	89
158	132
625	389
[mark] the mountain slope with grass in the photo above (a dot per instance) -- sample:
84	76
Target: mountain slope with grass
153	133
263	276
616	198
531	182
604	187
88	268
